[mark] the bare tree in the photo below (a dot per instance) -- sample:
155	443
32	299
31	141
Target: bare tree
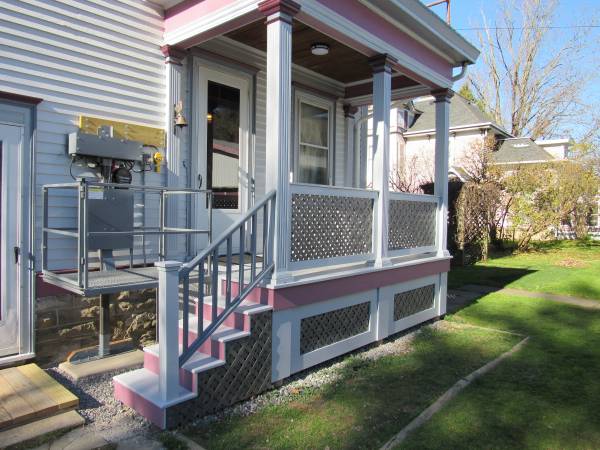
533	79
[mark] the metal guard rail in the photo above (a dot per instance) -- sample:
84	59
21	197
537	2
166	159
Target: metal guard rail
210	257
82	234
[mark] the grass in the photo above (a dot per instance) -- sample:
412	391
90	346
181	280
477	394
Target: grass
561	267
371	402
545	396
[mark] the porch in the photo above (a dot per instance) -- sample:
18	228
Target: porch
319	246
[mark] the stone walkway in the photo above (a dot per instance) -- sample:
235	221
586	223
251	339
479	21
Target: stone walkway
468	293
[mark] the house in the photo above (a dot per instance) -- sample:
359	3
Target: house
234	121
468	129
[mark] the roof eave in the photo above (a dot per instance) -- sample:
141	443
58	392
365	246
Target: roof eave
422	19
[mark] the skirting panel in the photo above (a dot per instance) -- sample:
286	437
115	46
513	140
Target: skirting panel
328	328
246	373
414	301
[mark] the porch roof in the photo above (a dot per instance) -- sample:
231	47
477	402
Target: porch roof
426	48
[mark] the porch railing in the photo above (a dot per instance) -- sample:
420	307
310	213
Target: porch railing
204	269
411	224
330	225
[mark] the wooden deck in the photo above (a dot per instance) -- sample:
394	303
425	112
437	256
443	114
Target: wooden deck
27	393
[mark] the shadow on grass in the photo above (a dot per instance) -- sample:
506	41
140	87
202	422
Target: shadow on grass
370	402
545	396
486	275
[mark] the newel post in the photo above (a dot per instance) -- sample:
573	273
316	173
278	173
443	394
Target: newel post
382	102
442	124
279	14
168	328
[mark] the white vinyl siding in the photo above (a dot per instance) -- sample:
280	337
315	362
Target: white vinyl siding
82	57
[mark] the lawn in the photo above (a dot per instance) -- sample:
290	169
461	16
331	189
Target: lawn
371	401
562	267
544	397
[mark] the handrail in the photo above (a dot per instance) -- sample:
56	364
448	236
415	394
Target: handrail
207	265
194	261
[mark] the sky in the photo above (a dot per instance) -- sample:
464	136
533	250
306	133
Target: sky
468	14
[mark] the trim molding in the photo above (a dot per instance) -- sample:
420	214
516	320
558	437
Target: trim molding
20	98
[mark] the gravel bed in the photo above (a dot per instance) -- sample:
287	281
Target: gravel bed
97	405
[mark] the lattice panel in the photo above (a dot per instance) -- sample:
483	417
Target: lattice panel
413	301
327	226
411	224
247	373
324	329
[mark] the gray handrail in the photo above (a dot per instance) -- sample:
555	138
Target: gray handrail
207	265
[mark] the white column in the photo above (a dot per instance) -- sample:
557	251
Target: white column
382	99
279	116
442	123
173	156
168	328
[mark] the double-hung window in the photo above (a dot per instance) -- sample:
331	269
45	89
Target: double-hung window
314	142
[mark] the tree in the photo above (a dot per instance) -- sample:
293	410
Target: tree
529	81
540	197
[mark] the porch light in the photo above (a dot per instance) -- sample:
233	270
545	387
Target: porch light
319	49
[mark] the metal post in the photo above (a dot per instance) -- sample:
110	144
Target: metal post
168	326
104	341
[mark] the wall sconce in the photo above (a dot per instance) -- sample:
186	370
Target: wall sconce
180	121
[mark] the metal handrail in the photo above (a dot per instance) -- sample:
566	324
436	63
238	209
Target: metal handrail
207	264
82	234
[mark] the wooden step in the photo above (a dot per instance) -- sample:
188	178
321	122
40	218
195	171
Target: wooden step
27	393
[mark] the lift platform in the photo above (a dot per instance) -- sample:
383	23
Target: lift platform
113	252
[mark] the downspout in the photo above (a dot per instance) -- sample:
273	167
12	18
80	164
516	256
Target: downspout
462	73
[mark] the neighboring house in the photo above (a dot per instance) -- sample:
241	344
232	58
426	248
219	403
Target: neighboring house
258	101
468	129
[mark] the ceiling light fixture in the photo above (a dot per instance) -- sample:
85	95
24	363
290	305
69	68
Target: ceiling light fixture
319	49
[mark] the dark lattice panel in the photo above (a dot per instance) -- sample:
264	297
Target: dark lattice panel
324	329
413	301
247	372
327	226
411	224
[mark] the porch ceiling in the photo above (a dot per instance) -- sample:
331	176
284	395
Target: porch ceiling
343	63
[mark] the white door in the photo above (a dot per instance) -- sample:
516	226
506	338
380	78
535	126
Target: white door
223	142
11	142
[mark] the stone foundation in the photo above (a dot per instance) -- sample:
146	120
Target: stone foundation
68	322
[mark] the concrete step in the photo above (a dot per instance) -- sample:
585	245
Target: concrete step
25	433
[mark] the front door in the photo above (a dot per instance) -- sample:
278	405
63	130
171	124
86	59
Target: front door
11	145
223	143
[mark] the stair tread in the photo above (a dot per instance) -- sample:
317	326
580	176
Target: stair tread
223	333
198	362
246	307
146	384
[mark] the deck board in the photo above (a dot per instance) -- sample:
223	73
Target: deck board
28	393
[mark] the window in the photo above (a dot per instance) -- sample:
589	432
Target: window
314	148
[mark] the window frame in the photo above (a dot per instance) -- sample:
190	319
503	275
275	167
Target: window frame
301	97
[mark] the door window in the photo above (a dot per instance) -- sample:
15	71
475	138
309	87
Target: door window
223	145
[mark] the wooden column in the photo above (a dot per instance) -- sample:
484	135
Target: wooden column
382	100
279	115
442	123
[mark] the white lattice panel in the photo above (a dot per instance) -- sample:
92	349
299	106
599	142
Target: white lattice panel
328	226
411	224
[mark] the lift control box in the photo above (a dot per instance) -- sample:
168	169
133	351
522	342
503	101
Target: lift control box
104	146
